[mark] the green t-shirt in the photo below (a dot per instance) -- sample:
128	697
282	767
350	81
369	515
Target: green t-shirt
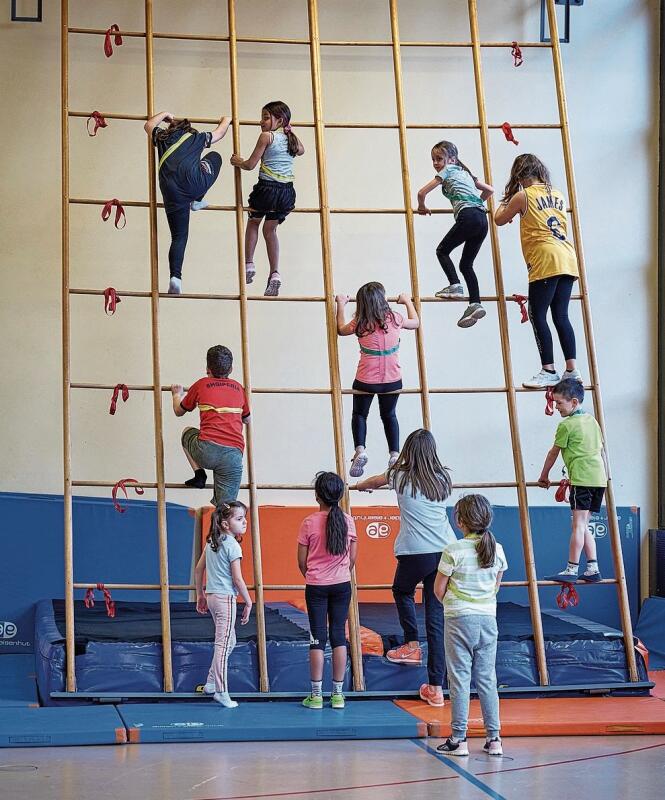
581	442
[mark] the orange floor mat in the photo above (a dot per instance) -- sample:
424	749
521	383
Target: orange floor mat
658	677
551	716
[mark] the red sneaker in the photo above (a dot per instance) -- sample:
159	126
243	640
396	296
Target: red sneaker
406	654
431	695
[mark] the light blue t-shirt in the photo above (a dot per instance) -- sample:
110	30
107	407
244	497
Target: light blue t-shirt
218	566
276	161
424	525
458	186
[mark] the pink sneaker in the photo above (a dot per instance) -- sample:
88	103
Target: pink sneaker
406	654
431	695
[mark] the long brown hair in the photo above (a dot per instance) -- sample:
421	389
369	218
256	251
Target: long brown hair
182	125
525	167
282	112
372	309
221	514
449	151
418	467
475	513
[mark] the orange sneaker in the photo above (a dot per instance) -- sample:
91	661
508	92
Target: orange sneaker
406	654
431	695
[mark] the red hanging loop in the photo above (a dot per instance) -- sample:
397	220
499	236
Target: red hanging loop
108	600
89	598
508	133
522	300
567	596
114	31
516	53
563	491
111	300
121	484
100	122
549	401
119	387
119	212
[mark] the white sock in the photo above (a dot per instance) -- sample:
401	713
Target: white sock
224	699
591	567
317	688
337	687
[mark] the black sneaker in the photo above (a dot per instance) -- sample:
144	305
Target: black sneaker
453	748
493	747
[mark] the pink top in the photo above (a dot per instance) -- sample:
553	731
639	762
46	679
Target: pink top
374	368
322	568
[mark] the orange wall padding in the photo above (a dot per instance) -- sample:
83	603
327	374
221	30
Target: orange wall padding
376	526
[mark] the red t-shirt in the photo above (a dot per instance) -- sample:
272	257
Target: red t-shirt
222	404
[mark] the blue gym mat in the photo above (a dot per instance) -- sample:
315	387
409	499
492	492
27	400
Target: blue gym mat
267	722
53	727
18	686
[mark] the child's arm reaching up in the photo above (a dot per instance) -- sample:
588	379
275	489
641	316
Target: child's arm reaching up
550	459
412	322
241	586
220	131
344	328
153	122
262	142
486	191
422	194
506	211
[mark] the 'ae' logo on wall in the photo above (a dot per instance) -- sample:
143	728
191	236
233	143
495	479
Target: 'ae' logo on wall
378	530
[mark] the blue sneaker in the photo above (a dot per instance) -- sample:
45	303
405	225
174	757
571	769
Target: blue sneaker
591	577
563	577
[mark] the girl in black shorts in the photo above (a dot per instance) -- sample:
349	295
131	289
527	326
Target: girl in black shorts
273	197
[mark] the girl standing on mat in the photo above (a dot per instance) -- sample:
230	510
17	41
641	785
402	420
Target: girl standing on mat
377	328
469	577
221	562
550	260
422	485
467	195
273	197
327	549
184	178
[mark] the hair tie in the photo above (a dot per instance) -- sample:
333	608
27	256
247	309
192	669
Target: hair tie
287	129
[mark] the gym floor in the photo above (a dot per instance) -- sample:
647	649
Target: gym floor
602	767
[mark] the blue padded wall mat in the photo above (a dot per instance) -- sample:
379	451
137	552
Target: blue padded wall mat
651	630
53	727
18	686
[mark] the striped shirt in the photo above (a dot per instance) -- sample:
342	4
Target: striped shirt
471	589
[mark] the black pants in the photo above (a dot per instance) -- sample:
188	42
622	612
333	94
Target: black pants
470	229
177	198
411	570
327	608
552	293
387	406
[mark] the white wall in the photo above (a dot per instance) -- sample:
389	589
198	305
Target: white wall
611	74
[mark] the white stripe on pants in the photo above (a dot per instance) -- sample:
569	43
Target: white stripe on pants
223	610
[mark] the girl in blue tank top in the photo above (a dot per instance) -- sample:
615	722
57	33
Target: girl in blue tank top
273	197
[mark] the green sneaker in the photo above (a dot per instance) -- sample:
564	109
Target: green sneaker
314	701
337	701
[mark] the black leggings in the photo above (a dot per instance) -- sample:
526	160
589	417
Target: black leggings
387	405
178	216
552	293
470	229
327	608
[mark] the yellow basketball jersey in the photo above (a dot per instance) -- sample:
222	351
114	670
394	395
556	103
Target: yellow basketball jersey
544	234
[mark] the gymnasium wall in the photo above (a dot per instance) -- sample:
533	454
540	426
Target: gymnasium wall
611	74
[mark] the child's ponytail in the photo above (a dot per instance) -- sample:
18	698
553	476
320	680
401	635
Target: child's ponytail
282	112
475	513
486	550
221	514
329	489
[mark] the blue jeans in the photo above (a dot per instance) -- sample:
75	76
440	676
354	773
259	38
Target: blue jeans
225	463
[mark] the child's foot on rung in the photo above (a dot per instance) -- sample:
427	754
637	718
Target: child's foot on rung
392	460
406	654
199	205
593	576
454	747
572	374
358	464
198	481
250	272
175	286
454	290
274	282
473	313
565	576
542	379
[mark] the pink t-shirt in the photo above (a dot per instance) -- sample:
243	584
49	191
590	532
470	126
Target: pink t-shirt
322	568
380	368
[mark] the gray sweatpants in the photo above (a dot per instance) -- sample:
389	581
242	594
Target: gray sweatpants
470	647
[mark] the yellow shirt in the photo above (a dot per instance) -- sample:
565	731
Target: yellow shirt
543	234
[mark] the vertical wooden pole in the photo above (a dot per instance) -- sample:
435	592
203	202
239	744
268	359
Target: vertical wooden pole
264	683
525	525
66	354
156	376
331	321
615	536
408	216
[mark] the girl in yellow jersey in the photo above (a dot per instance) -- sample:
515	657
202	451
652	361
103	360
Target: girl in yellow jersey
550	259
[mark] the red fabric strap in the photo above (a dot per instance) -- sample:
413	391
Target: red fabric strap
114	31
122	484
120	387
549	401
89	599
508	133
521	300
119	212
563	491
516	53
111	300
100	122
567	596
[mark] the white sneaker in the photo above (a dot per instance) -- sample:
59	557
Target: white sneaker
542	380
393	459
572	374
175	286
209	688
199	205
471	315
358	464
454	290
493	747
223	699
